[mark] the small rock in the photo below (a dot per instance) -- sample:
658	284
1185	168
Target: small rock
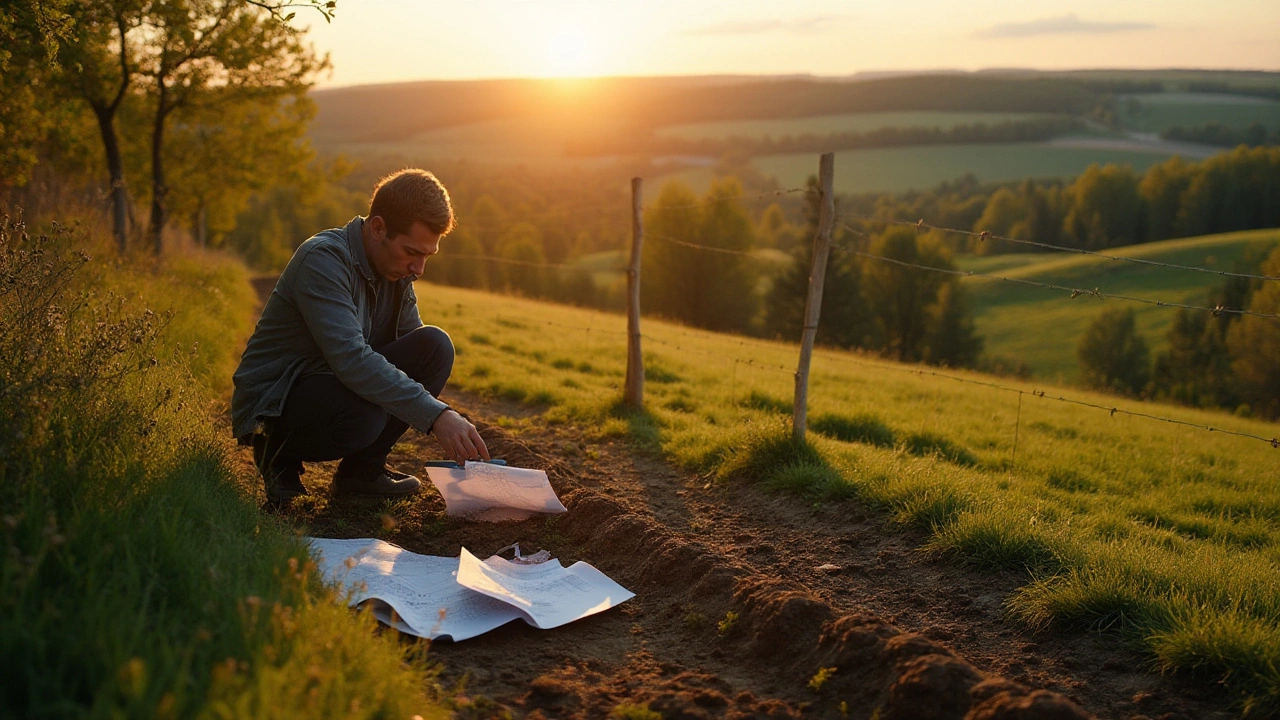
828	569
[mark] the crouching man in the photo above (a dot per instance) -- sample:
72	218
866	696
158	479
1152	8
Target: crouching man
340	363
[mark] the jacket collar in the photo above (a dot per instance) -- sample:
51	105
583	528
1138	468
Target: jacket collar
355	242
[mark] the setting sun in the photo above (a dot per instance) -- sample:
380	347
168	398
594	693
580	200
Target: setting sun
569	53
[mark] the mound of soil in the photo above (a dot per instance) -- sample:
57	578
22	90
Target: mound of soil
748	605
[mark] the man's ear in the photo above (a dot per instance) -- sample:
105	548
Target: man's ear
378	227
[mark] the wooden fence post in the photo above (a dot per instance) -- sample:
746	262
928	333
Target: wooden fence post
633	395
813	305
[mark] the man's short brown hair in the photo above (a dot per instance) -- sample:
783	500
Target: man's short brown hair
412	195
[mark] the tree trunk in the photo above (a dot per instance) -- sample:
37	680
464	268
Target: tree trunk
158	189
115	169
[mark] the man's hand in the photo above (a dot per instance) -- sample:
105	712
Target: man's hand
459	438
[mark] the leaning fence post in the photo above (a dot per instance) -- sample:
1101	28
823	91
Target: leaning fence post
633	395
813	305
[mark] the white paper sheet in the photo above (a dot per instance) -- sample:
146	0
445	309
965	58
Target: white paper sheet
421	590
494	493
549	594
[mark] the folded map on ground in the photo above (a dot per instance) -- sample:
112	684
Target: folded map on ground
460	598
494	493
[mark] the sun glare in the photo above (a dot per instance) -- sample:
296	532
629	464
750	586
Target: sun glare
569	53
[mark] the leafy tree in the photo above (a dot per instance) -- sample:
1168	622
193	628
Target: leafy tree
1196	369
459	262
31	34
1113	356
843	320
1254	343
1105	208
205	52
952	339
902	300
1005	214
1233	191
1162	188
523	247
698	286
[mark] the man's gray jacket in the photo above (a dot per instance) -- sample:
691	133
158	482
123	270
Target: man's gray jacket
319	319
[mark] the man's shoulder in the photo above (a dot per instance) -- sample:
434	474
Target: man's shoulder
326	247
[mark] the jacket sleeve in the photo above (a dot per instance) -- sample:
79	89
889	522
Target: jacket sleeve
324	295
410	318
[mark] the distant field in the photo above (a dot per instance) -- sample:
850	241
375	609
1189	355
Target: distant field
906	168
1042	327
827	124
1157	112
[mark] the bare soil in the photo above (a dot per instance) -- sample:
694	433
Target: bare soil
743	597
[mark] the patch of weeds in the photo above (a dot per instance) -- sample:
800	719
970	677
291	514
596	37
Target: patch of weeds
630	711
820	678
694	620
727	625
480	707
924	444
571	384
540	397
586	368
513	393
479	339
865	428
480	371
681	405
1000	542
933	505
658	374
1071	481
760	401
770	455
509	348
562	363
591	454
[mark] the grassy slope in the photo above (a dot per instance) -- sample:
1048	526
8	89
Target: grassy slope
1162	111
139	580
1170	535
1041	327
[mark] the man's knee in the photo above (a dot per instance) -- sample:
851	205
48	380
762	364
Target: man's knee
432	348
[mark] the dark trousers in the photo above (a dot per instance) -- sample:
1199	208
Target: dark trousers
323	420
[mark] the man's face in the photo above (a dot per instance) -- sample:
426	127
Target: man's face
404	255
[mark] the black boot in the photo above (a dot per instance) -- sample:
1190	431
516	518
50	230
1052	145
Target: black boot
281	476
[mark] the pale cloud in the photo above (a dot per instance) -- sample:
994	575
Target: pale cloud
1064	25
761	27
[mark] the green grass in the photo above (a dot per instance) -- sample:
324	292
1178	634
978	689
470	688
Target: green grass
139	580
920	167
1157	112
828	124
1166	536
1042	327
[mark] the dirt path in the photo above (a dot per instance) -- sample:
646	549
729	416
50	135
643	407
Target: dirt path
734	614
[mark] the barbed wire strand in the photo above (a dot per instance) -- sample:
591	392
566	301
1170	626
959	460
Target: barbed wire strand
984	235
729	198
1112	409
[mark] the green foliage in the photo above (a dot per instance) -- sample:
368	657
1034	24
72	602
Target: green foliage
1254	344
704	288
820	678
138	579
864	428
727	625
1104	208
1112	354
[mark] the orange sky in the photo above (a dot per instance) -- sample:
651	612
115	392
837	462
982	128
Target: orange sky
395	40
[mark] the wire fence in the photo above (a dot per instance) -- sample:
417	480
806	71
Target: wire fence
1071	292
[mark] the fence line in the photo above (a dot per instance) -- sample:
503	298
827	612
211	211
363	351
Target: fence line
984	235
846	357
